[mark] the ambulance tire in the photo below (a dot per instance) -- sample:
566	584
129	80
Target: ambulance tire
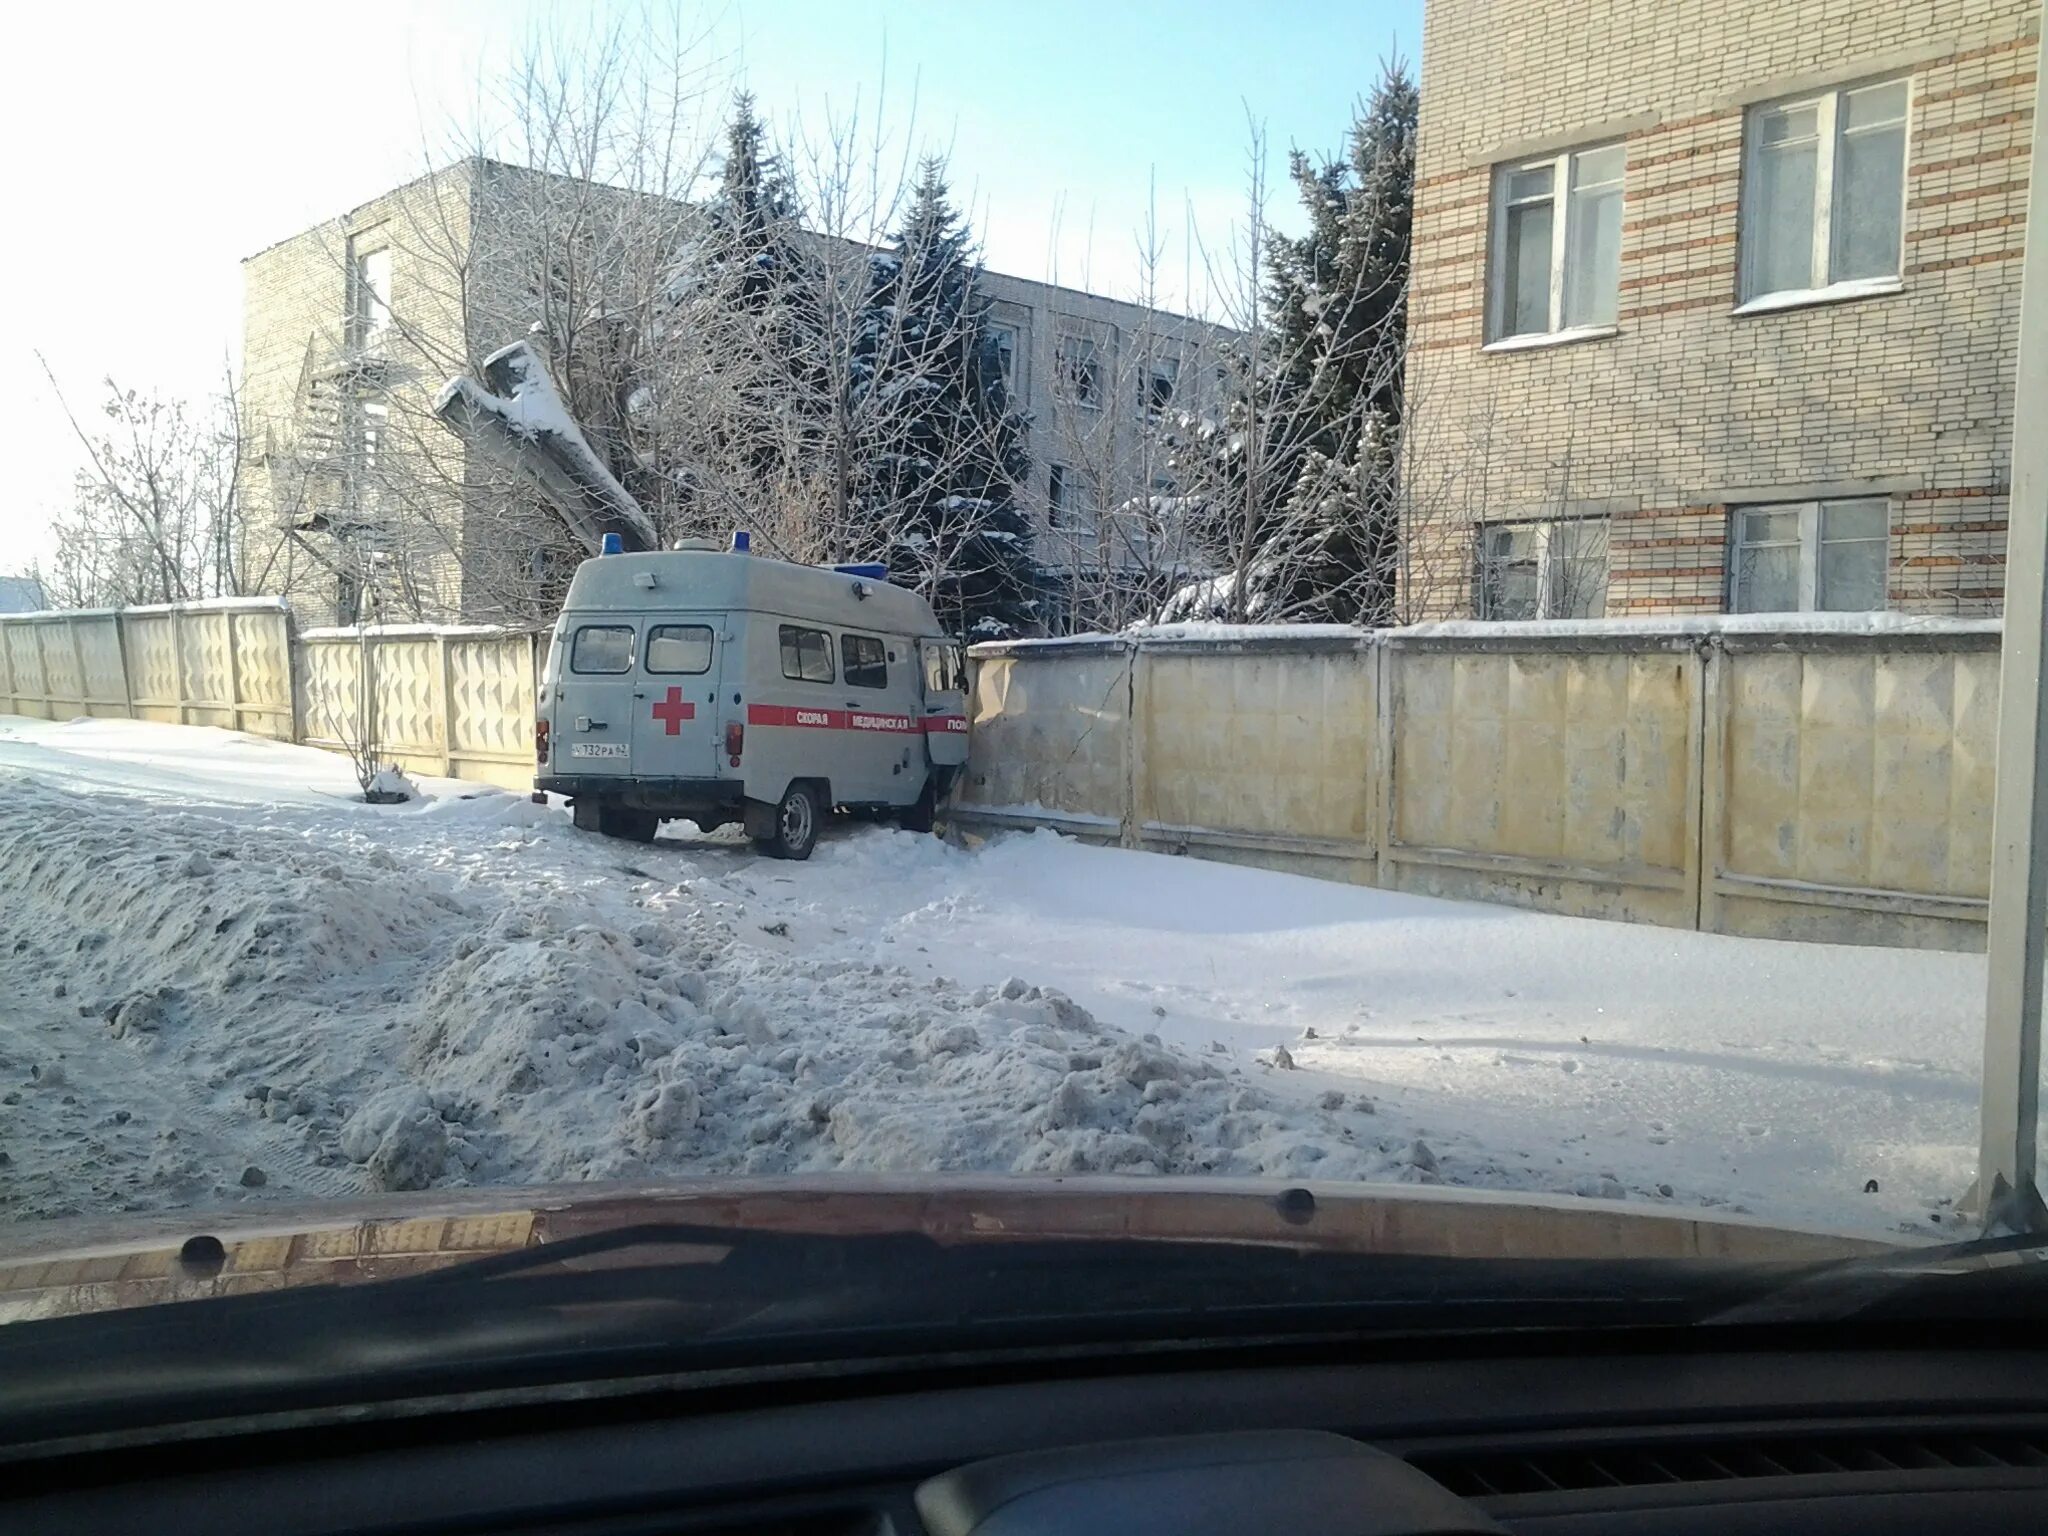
921	813
795	829
624	821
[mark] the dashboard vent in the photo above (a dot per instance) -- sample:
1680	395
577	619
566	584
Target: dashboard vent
1493	1474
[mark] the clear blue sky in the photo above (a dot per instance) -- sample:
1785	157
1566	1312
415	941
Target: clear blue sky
160	144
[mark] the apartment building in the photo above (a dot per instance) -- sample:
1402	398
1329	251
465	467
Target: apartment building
1715	305
349	328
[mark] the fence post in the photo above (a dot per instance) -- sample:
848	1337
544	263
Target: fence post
447	708
1135	713
78	662
234	671
1708	833
178	662
1388	668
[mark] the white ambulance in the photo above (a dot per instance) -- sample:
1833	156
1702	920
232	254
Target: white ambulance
721	686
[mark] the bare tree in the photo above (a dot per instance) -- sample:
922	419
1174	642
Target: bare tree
156	515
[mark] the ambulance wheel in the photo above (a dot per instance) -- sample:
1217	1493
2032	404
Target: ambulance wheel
795	831
920	814
624	821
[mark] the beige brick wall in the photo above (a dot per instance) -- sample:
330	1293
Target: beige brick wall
299	381
1690	408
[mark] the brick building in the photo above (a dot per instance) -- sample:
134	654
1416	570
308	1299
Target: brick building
1715	305
349	328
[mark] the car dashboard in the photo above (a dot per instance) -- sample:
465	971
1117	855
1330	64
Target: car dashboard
1595	1439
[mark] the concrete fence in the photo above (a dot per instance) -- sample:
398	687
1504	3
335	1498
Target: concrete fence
434	699
1822	779
1796	779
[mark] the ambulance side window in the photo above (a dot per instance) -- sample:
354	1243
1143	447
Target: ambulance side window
602	648
806	654
682	648
867	661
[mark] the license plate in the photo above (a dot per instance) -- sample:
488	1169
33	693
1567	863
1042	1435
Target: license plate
598	749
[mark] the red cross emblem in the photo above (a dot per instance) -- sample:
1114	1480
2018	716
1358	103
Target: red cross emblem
673	711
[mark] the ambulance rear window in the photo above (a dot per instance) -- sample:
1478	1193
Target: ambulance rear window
602	648
679	648
806	654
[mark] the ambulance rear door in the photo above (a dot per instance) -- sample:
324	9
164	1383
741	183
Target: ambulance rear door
675	696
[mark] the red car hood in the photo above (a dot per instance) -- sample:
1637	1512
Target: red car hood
50	1269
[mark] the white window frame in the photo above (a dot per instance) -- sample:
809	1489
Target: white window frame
1826	121
1809	551
1546	583
1498	338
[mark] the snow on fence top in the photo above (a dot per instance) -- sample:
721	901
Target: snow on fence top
1671	627
415	632
192	605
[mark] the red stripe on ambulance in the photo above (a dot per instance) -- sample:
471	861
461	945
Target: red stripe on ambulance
808	718
945	725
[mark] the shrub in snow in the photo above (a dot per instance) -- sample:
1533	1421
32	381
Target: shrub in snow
389	786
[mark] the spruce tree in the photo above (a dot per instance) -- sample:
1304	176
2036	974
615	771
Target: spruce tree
1299	470
946	448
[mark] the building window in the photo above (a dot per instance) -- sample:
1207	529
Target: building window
1080	372
1802	556
1156	392
370	303
1825	192
1068	502
1003	338
1547	570
1557	242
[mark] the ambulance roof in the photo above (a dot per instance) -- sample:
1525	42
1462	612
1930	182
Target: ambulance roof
710	579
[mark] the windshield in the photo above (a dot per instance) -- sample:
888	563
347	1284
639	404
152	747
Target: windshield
1400	602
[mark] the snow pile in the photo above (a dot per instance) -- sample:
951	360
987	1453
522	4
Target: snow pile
310	1006
227	979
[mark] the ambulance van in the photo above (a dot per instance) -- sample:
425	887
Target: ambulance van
722	687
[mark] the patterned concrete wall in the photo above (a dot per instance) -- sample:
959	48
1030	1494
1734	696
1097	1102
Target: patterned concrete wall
457	702
223	663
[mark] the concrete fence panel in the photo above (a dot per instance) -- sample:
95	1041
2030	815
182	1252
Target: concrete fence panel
331	690
156	672
1259	751
1545	772
206	655
1050	743
1849	786
22	652
260	656
491	684
97	638
408	700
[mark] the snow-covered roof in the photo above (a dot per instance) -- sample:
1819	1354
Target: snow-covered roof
20	594
692	578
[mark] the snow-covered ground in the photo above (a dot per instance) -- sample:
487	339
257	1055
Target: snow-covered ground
226	979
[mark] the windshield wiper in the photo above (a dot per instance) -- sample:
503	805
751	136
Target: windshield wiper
1853	1287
